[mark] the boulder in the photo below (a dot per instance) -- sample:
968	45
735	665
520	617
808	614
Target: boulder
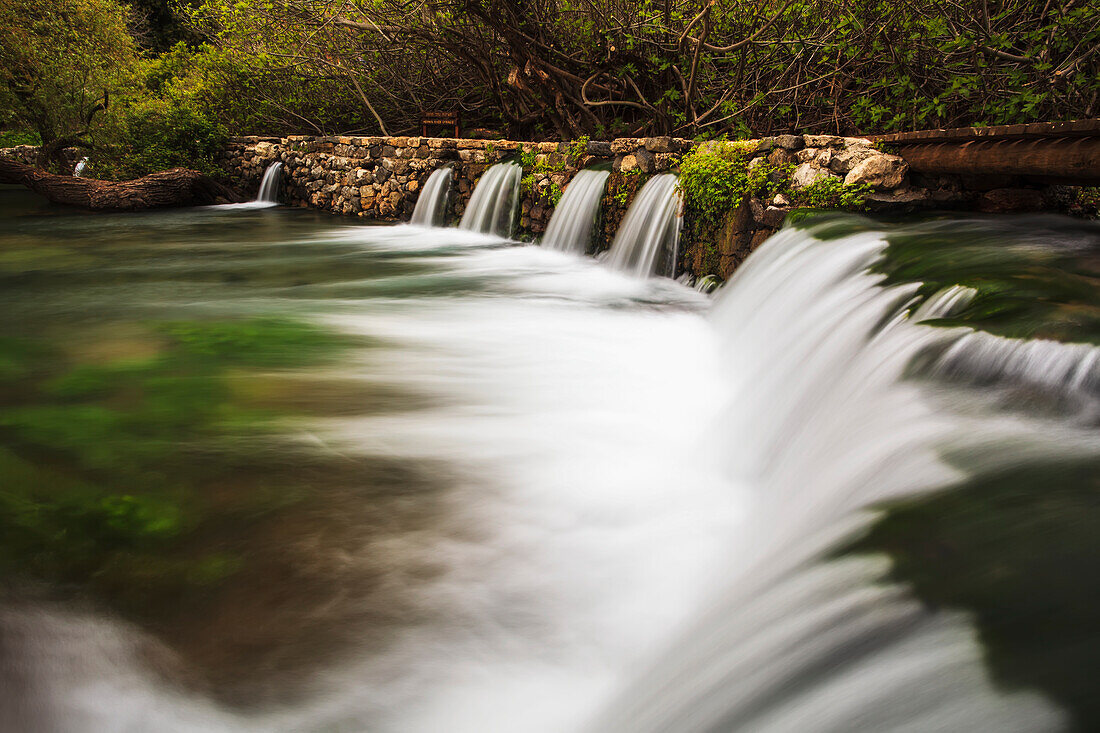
845	159
807	174
628	163
658	144
790	142
881	171
823	141
773	217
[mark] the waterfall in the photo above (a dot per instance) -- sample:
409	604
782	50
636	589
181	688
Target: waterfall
80	166
571	226
825	422
646	241
492	208
431	206
269	187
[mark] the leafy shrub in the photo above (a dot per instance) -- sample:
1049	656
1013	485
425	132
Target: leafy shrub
831	193
715	179
157	134
11	138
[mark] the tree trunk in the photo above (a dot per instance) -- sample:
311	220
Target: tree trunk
175	187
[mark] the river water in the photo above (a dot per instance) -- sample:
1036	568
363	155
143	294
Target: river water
268	470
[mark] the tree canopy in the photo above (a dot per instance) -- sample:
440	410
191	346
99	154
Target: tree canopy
104	75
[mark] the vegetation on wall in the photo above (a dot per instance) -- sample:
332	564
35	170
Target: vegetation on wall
717	177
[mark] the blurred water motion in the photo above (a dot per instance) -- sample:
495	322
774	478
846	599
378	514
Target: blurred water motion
266	471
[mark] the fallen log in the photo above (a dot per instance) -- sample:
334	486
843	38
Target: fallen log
175	187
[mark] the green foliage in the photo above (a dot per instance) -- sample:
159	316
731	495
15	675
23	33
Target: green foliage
831	193
716	178
60	62
11	138
537	167
157	134
622	186
577	150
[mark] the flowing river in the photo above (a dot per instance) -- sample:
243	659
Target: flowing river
268	470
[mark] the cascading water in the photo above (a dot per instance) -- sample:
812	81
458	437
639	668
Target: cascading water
434	483
835	408
80	166
571	225
647	238
431	206
269	186
492	208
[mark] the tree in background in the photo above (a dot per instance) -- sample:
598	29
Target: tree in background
60	63
536	69
563	68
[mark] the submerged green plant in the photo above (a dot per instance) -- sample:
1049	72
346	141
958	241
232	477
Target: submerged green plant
107	466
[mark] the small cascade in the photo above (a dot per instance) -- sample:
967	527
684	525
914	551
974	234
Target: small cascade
432	203
492	208
269	187
571	226
646	241
80	166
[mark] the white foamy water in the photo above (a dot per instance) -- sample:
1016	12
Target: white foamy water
640	488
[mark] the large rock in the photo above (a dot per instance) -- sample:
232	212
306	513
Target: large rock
658	144
842	161
807	174
881	172
790	142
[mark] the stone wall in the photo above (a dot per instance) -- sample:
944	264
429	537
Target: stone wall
380	178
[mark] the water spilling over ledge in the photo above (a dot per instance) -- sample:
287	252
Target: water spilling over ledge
646	243
270	185
492	208
398	479
570	228
431	206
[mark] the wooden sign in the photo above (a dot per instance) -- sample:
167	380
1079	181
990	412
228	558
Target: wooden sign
438	119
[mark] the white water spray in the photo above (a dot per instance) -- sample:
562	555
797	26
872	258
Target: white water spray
269	187
571	225
647	238
492	208
821	427
431	205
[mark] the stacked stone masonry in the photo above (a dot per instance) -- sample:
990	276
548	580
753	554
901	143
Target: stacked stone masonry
380	178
